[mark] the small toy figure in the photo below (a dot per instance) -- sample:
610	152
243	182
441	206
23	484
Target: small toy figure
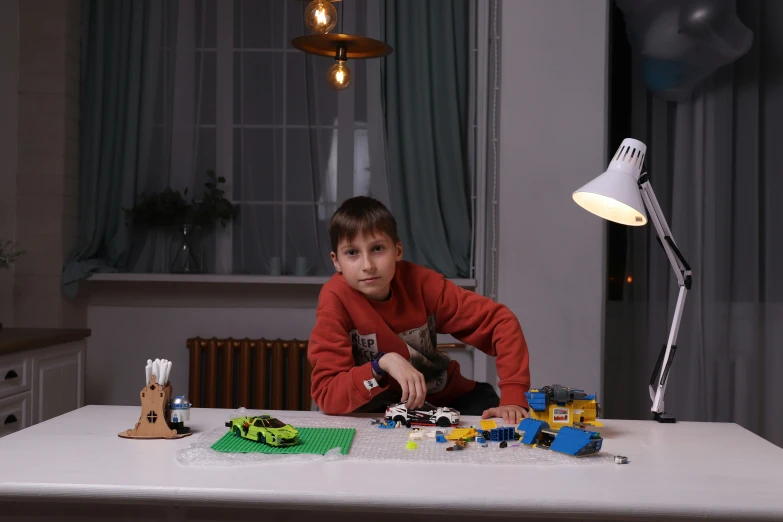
427	415
179	412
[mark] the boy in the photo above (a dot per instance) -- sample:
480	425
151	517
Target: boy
374	340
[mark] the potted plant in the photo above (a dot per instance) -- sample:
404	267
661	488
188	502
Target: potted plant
171	208
8	254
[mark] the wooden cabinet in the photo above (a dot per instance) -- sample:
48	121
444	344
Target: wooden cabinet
38	384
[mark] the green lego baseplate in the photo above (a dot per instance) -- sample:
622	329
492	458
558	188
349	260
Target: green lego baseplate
316	441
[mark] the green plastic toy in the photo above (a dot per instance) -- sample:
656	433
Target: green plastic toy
264	429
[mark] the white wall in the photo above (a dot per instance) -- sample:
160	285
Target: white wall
9	109
47	182
39	157
553	127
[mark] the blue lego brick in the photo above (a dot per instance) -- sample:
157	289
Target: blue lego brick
501	434
481	440
440	438
577	442
537	400
590	397
531	428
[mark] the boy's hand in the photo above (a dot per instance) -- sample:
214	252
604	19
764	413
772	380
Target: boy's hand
414	389
511	414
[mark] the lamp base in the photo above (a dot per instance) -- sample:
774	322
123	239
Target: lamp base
664	418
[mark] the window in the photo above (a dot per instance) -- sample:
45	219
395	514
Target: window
275	423
234	96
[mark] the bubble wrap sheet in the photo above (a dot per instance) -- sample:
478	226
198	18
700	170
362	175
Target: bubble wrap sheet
374	443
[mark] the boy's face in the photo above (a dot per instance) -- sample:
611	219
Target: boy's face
368	263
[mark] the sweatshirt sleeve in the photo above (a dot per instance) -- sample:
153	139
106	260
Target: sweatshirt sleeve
492	328
338	385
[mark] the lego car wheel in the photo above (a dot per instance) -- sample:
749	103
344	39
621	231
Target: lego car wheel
443	422
402	420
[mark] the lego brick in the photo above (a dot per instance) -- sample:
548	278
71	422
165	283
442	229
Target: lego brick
577	442
531	427
315	441
500	434
488	424
461	433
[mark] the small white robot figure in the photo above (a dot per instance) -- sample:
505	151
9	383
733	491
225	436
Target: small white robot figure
179	412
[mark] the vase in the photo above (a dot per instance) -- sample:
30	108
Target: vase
186	250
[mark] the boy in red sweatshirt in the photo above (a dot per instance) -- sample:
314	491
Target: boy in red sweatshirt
374	340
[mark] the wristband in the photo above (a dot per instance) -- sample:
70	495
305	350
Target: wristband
377	367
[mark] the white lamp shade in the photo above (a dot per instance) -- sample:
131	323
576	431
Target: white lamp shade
614	195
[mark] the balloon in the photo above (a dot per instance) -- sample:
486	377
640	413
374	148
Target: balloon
682	42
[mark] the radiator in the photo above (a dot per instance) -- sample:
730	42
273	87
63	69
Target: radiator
254	373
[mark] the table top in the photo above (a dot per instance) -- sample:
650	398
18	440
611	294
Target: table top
712	470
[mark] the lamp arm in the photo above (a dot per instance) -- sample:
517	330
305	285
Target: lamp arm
681	267
682	270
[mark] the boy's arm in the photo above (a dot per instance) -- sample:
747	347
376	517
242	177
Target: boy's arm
338	385
492	328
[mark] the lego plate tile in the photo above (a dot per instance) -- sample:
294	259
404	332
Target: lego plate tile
374	443
316	441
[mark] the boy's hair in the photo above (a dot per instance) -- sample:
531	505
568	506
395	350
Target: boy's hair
361	215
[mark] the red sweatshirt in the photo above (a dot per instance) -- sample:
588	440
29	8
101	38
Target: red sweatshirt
350	329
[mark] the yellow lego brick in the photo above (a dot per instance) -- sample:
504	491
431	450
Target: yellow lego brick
488	425
461	433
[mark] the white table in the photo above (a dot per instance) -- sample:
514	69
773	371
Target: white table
76	465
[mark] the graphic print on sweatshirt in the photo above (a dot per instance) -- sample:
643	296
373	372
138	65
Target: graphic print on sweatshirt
422	346
421	342
365	347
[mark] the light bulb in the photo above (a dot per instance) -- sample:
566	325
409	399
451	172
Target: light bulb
320	16
339	75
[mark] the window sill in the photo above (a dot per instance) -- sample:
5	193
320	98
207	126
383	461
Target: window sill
231	279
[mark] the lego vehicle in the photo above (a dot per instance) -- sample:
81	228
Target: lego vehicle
264	429
559	406
569	440
427	415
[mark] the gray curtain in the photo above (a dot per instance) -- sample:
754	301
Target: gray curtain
714	167
114	46
425	84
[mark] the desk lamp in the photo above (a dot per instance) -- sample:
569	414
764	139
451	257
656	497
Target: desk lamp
621	194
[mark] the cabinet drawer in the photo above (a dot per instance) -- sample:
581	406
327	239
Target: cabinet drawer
15	413
15	372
